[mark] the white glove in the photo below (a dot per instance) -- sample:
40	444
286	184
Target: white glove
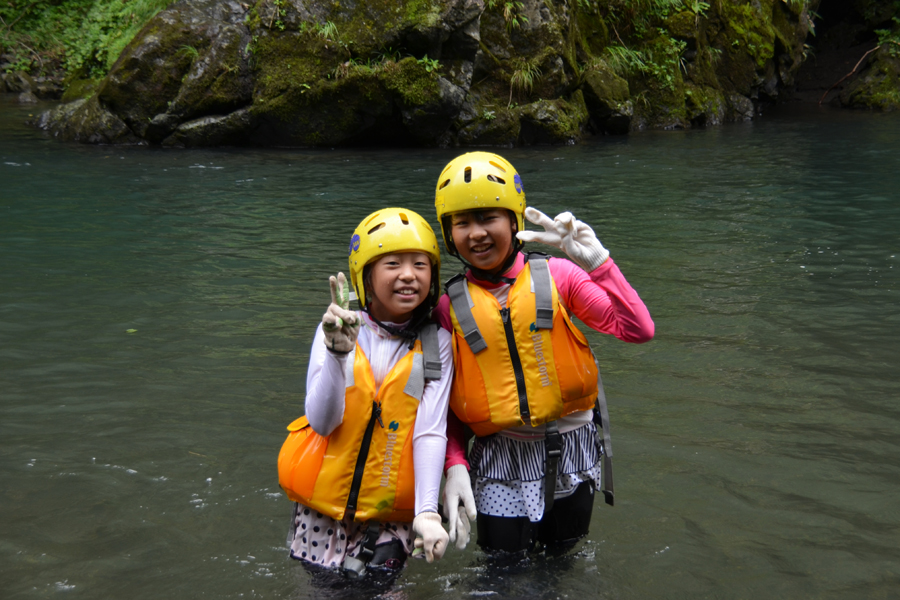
430	535
340	325
458	488
570	235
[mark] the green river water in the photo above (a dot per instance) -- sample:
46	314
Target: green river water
757	437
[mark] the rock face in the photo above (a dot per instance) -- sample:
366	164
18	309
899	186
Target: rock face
434	72
857	57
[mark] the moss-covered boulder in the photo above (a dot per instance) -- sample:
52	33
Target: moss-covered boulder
436	72
878	86
86	121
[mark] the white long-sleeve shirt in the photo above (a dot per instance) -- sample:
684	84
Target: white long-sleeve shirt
326	385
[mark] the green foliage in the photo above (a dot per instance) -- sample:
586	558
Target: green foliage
86	35
660	60
278	12
511	12
430	64
639	17
328	31
524	76
488	115
890	38
189	51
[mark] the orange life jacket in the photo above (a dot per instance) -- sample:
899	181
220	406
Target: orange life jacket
525	363
364	468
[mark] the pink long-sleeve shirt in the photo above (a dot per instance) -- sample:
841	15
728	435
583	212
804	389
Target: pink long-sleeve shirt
603	300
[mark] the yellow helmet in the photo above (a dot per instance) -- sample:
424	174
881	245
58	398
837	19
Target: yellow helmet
478	181
392	230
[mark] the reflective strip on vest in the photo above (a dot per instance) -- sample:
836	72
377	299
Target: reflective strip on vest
543	293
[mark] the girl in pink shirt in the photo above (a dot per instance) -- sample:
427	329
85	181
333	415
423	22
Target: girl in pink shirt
480	203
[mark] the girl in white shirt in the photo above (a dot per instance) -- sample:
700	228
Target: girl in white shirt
364	465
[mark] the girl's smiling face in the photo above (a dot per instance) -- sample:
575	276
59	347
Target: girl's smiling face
483	238
398	284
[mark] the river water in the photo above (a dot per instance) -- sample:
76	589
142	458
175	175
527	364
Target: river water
157	306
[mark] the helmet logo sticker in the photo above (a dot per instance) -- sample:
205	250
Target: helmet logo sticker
518	181
354	244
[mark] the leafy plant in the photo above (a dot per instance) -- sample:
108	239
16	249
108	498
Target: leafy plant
430	64
523	77
511	10
890	37
327	31
488	115
625	61
278	11
659	61
189	51
71	34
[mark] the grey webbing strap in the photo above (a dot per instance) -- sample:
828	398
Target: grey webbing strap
553	442
357	565
292	530
600	407
431	352
543	292
458	291
415	385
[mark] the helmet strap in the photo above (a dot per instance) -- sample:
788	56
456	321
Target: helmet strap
507	264
409	333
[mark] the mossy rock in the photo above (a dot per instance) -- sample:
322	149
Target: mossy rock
86	121
704	105
498	127
431	72
77	89
683	25
878	87
556	121
607	99
224	130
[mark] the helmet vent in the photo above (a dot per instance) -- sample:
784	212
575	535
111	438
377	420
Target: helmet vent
496	179
376	228
372	218
497	165
404	218
468	174
445	184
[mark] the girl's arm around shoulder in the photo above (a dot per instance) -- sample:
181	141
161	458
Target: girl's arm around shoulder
603	300
430	434
325	385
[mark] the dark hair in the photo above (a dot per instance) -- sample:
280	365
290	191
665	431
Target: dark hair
425	307
477	214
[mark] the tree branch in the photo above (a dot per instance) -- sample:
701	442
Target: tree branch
845	77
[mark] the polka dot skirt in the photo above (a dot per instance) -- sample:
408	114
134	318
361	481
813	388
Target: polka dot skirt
508	473
319	539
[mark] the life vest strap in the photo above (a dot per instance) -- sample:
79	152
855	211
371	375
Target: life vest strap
543	292
431	352
553	444
425	366
357	565
601	418
458	291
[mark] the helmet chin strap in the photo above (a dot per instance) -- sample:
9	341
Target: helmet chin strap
507	264
409	333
